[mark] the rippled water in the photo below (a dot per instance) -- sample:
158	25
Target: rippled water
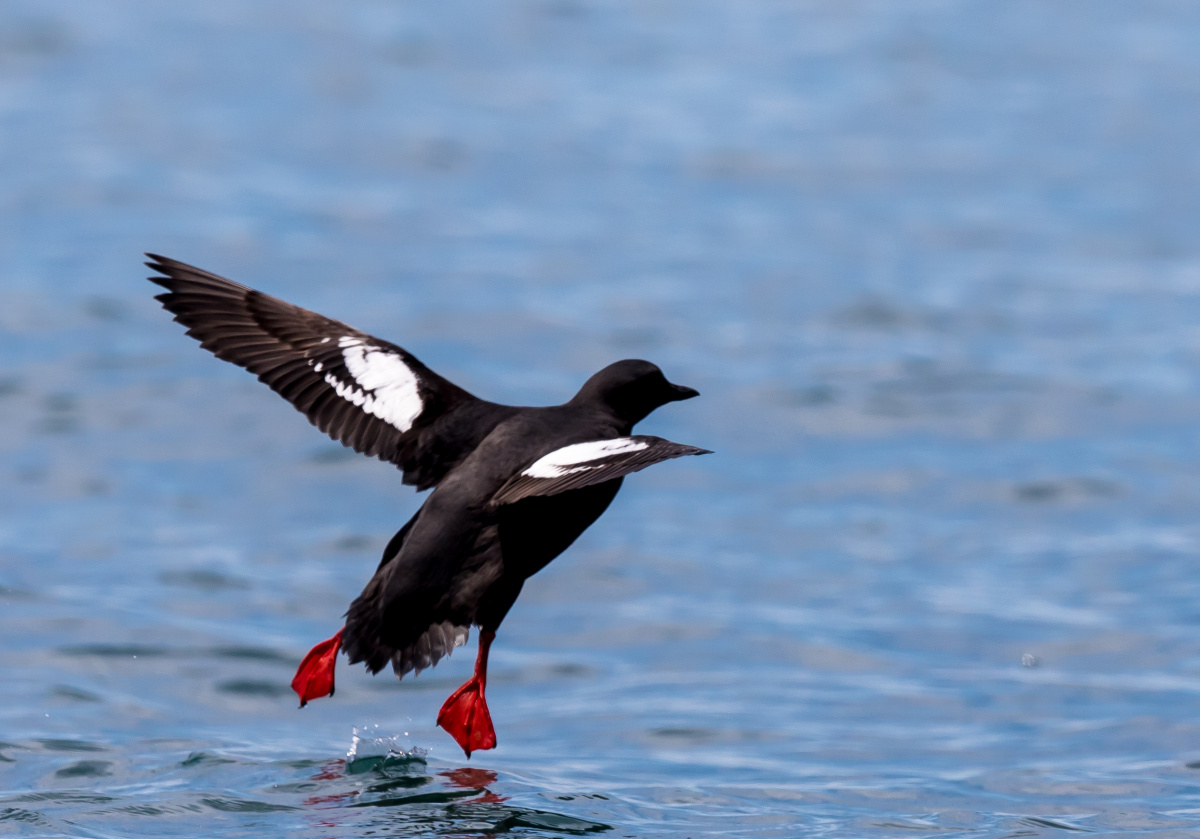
934	267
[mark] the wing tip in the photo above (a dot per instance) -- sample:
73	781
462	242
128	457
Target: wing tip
174	275
161	264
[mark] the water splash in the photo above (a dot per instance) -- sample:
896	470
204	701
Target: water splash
370	750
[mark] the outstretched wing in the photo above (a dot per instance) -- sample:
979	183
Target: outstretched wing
584	464
366	393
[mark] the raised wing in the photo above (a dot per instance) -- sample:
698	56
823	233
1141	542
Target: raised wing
584	464
366	393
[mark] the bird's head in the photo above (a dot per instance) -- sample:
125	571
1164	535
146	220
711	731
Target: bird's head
632	389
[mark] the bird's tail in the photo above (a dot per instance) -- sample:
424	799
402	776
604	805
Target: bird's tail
362	639
424	641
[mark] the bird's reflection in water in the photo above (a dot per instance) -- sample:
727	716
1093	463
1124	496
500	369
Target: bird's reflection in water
461	800
468	777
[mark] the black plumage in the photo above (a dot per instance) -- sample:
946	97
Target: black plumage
512	487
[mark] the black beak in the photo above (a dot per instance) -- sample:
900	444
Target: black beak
682	393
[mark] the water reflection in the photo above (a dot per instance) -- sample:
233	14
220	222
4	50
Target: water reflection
462	803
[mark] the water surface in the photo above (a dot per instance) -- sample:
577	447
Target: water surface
933	267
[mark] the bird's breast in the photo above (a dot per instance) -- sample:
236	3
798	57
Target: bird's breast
535	530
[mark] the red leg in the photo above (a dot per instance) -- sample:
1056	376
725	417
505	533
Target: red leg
314	677
465	714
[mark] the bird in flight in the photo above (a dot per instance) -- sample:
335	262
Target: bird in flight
512	487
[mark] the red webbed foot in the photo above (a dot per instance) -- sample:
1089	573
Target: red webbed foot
465	714
314	677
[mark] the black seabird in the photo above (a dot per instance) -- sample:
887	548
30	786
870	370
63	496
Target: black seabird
512	487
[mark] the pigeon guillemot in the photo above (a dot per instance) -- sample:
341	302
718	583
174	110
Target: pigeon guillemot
512	487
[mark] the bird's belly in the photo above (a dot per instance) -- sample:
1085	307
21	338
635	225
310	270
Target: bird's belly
535	530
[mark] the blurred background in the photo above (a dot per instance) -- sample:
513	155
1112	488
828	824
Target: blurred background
933	266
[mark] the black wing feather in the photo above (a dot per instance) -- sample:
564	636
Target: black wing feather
303	356
581	473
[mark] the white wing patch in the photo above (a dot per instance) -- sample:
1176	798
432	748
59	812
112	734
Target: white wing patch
576	458
386	387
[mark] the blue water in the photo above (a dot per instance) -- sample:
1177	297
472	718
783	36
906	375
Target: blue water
934	267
